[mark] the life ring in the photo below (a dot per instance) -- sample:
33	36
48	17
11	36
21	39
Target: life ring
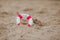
26	17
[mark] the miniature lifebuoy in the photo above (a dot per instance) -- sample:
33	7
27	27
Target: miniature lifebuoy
26	17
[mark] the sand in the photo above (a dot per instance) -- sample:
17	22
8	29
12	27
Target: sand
45	14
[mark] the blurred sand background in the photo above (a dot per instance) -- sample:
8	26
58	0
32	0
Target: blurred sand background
46	17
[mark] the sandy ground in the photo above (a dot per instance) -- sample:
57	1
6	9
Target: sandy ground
46	17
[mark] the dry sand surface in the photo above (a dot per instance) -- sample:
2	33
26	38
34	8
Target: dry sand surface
46	18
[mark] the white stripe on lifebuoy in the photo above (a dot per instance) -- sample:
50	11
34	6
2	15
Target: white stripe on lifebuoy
26	17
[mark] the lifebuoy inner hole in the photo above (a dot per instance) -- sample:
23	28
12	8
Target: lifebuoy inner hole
24	22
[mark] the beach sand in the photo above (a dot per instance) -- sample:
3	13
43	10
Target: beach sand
45	14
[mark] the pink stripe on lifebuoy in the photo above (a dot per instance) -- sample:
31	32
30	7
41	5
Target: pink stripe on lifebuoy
28	25
18	24
28	17
20	16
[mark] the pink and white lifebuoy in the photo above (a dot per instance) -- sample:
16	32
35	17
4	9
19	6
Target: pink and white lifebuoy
26	17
